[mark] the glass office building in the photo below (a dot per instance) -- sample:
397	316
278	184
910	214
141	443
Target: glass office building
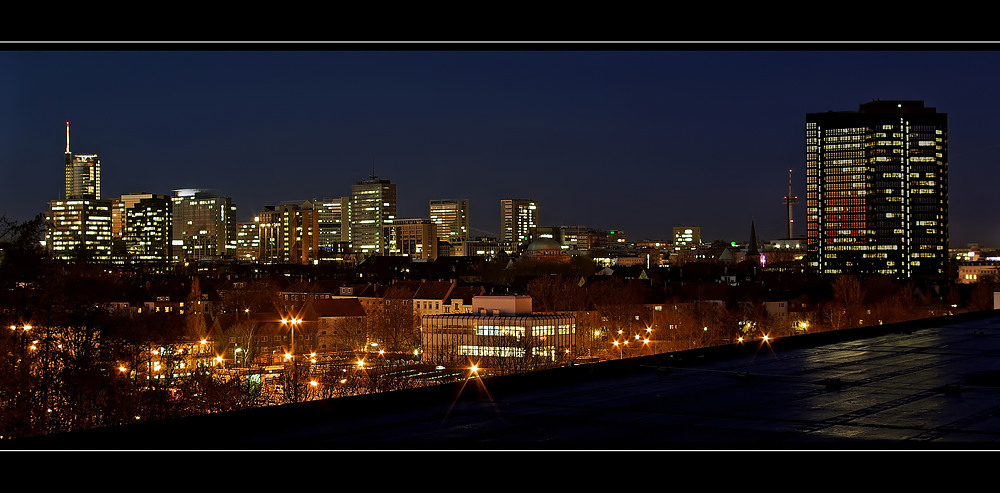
877	190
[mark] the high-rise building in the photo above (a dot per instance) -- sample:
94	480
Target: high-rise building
142	226
334	220
518	219
82	175
79	230
204	225
269	235
877	190
79	227
452	219
373	205
416	238
300	233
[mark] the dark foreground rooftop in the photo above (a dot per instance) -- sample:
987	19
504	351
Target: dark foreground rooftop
928	384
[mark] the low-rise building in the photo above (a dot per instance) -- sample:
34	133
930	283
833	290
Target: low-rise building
501	332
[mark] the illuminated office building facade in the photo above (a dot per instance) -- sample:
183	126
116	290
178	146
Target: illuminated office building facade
451	218
334	215
373	205
414	238
142	226
877	190
300	233
519	218
499	329
81	175
79	230
204	225
687	237
79	227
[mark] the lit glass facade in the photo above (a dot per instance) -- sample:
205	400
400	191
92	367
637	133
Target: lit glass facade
877	190
519	218
373	205
83	177
79	230
204	225
486	339
143	223
451	218
415	238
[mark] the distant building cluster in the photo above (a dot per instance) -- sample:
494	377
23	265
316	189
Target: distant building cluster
876	200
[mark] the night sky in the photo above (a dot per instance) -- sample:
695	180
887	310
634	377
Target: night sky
638	140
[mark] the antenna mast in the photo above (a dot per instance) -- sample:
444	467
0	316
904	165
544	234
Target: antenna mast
790	200
67	137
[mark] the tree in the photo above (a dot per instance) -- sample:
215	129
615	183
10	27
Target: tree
393	323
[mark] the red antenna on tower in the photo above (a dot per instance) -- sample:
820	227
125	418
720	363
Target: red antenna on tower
790	200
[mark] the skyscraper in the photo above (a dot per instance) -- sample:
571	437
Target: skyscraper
373	205
82	174
80	230
518	219
79	226
204	225
877	190
141	225
451	218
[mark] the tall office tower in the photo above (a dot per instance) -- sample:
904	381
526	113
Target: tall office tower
300	233
142	226
416	238
373	205
79	226
334	219
519	218
79	229
877	190
269	234
687	237
82	175
204	225
451	218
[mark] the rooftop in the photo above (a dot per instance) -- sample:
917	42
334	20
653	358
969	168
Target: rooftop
928	384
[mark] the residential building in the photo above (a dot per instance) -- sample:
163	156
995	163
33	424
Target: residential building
877	190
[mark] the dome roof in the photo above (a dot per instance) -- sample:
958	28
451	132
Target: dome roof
544	244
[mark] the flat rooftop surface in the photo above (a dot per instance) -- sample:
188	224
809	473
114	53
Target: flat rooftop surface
925	385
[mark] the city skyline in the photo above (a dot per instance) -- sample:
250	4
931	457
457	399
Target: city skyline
639	141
